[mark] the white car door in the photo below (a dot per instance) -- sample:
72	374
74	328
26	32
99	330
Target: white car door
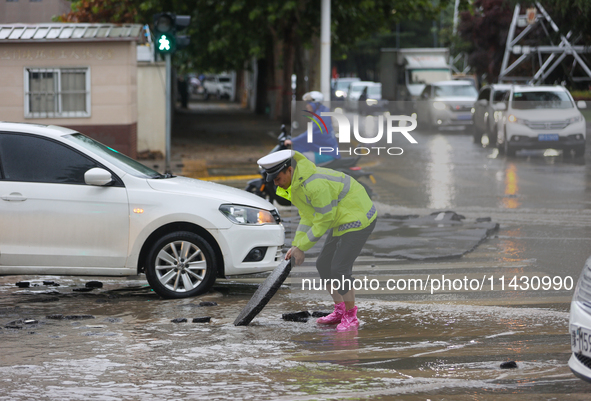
49	216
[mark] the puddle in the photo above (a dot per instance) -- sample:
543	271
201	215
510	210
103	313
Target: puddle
406	350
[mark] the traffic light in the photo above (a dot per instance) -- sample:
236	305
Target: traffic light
166	26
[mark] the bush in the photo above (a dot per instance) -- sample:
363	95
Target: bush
581	95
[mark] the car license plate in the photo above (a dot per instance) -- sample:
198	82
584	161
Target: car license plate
547	137
580	340
464	117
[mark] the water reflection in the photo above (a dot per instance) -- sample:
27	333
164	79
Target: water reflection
341	348
510	200
440	186
511	247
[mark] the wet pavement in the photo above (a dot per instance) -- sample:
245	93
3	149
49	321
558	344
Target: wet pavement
402	350
414	343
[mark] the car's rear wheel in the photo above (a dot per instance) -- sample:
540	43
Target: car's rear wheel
181	264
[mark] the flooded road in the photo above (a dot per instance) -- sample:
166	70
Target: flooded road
119	341
130	349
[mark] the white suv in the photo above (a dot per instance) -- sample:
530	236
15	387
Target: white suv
219	86
540	117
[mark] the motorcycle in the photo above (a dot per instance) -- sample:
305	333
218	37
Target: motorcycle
346	165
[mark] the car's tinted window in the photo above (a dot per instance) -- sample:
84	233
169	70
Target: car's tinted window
454	90
499	95
541	100
34	159
484	94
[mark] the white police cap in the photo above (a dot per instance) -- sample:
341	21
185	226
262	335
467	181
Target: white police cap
275	162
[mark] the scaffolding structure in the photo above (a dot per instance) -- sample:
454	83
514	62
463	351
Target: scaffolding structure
549	57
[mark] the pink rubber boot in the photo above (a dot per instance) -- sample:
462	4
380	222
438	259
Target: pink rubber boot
349	320
335	317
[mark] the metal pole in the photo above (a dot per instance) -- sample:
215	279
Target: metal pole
325	49
509	45
168	111
456	14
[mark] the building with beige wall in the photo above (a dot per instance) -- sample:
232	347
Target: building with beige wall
81	76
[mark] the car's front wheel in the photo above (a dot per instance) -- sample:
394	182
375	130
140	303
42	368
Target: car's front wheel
580	151
181	264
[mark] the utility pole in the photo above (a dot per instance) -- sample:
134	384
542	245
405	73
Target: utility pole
168	119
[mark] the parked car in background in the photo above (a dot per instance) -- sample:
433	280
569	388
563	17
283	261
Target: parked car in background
580	326
541	117
468	78
73	206
373	104
220	86
485	110
446	104
340	87
353	94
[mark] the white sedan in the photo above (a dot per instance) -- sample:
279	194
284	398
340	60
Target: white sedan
73	206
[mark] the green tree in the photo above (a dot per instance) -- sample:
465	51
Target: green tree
227	34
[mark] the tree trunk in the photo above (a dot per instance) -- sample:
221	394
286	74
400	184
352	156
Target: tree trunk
288	62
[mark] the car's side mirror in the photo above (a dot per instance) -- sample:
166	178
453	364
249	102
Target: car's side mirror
502	106
581	104
97	176
483	102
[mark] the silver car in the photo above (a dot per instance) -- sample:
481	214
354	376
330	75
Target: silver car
484	117
446	104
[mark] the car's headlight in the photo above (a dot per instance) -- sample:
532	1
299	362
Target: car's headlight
574	119
238	214
439	105
371	102
513	119
340	93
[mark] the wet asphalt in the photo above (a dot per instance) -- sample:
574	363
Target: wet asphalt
526	218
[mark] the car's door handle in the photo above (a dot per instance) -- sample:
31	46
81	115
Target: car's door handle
14	197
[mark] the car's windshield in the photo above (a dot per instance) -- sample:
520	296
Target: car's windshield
357	88
541	100
419	76
224	79
374	91
499	95
123	162
343	85
455	90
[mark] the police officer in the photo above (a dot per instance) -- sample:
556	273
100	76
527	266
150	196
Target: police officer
327	201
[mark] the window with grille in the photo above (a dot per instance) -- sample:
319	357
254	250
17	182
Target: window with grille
57	92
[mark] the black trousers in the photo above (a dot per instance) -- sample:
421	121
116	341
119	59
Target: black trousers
339	253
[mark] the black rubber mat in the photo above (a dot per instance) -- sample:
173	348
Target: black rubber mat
263	294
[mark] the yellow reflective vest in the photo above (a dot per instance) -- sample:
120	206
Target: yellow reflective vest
326	199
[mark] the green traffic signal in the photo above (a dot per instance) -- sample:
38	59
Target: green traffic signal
165	43
166	26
